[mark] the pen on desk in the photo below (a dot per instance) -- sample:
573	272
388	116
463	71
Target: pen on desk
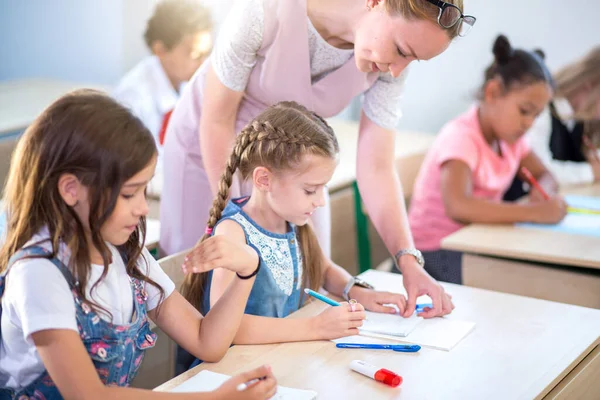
319	296
403	348
533	182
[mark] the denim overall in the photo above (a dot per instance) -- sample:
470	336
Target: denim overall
117	351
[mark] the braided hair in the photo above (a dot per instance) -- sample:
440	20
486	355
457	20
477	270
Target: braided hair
277	139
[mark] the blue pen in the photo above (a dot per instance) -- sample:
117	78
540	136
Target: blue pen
319	296
421	307
403	348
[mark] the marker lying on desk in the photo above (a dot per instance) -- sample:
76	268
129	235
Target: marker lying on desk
402	348
319	296
379	374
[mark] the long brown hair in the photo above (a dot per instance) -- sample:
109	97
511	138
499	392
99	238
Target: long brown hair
277	139
89	135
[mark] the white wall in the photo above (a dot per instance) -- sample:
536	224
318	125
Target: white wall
65	39
443	87
77	40
97	42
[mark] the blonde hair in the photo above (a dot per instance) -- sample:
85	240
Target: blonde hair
173	19
421	9
278	139
573	78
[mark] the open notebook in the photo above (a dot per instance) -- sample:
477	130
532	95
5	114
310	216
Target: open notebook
389	324
436	333
206	381
575	223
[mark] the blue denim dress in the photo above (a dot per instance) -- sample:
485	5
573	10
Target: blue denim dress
117	351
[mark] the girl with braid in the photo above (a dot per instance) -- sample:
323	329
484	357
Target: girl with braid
288	154
77	287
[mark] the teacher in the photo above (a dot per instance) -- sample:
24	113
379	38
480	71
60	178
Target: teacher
319	53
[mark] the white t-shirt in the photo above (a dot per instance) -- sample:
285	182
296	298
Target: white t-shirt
241	38
148	93
38	297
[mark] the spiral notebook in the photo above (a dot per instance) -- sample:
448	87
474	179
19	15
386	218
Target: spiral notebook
206	381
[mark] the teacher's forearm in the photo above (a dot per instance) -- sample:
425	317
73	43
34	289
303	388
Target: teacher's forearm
217	139
381	192
217	126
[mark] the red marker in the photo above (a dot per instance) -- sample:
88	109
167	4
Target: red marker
534	183
379	374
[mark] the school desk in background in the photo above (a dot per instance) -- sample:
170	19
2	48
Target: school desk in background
559	263
583	217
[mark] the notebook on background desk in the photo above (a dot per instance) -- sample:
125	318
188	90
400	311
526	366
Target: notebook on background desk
578	223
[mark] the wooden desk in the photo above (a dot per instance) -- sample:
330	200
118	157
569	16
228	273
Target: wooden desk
521	348
538	263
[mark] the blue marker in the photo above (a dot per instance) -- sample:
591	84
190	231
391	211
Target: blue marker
403	348
319	296
421	307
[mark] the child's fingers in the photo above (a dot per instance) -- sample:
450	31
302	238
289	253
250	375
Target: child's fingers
355	306
256	373
357	316
263	389
268	388
355	324
351	332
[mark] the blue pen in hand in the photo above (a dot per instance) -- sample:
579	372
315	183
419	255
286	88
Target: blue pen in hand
319	296
402	348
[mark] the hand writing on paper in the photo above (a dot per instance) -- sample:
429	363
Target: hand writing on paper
550	211
418	282
261	390
374	301
337	322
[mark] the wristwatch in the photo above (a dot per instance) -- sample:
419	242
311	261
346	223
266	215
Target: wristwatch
355	281
413	252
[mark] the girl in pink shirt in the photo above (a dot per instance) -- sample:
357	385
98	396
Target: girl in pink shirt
475	157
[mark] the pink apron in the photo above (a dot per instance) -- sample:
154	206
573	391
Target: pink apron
279	74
